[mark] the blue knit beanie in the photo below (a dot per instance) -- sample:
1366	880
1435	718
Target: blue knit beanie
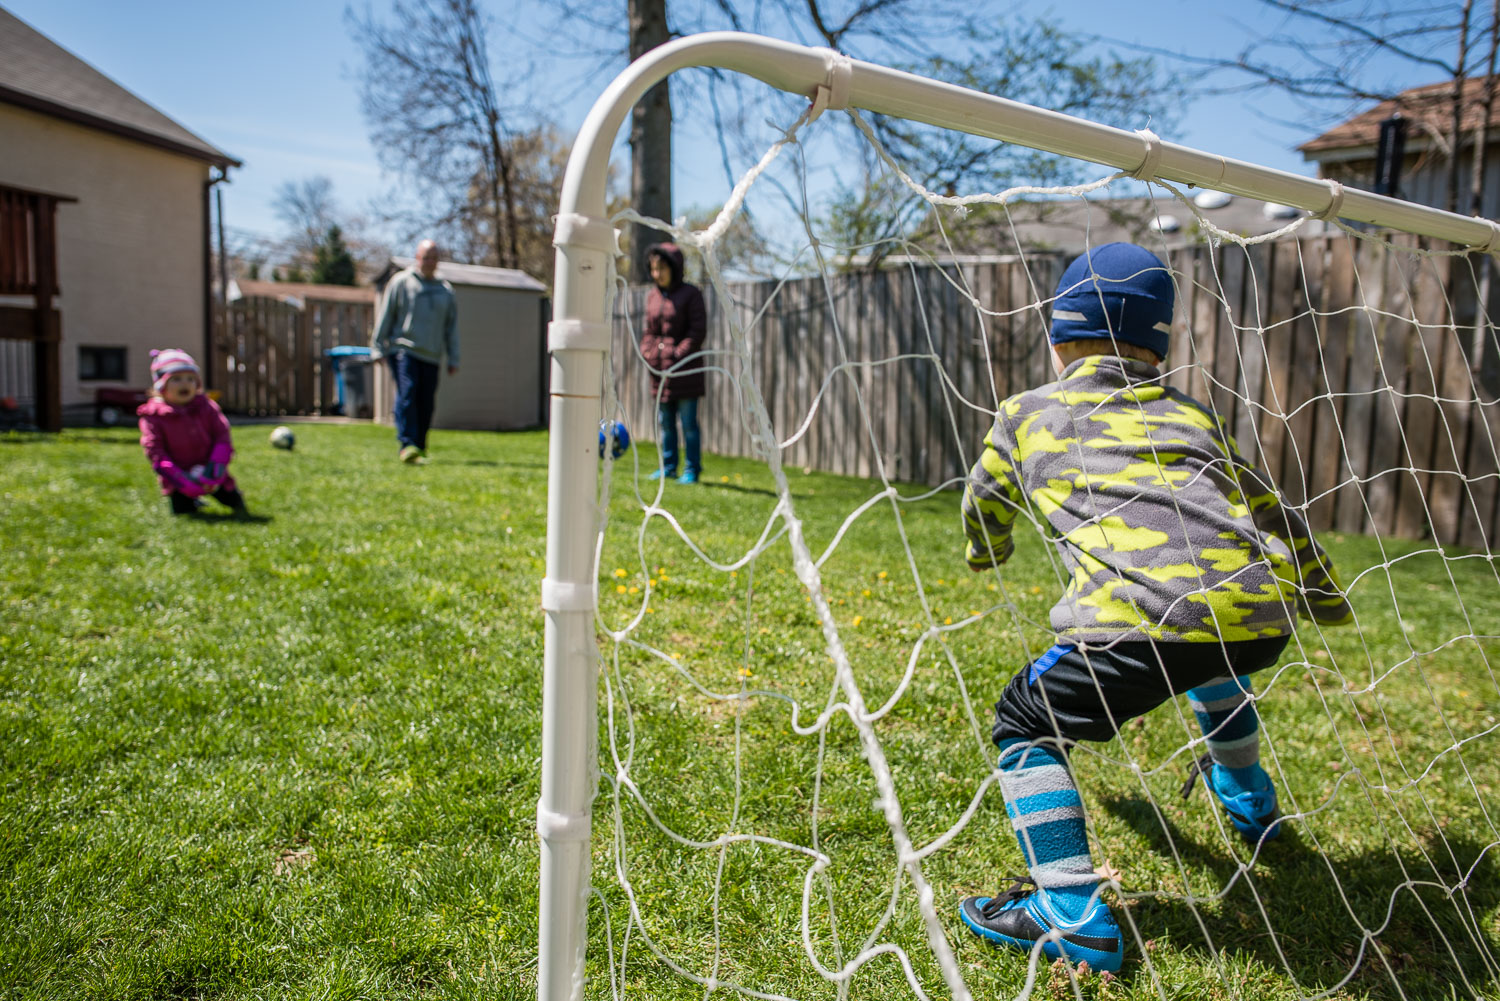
1117	290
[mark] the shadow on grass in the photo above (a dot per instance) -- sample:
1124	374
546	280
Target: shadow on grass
737	488
1431	936
230	518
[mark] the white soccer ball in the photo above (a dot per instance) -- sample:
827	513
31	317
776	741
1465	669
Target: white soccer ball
282	437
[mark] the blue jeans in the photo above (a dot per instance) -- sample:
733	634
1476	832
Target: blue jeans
668	412
416	395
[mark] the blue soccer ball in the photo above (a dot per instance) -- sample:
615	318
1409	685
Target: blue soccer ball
614	436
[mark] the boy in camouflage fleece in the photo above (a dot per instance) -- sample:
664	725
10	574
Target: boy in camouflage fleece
1185	569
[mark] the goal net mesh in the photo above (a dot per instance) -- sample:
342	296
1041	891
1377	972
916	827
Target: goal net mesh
797	668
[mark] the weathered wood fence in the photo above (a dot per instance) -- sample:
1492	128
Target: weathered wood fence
1363	379
270	356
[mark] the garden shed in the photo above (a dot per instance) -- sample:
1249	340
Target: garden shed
502	329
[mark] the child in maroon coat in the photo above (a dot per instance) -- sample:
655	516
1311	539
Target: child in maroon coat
672	337
186	436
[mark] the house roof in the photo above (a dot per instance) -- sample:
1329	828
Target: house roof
1071	225
1427	107
38	74
299	292
468	274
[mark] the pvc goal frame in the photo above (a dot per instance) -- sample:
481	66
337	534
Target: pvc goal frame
579	340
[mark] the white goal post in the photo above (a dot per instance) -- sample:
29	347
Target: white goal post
580	336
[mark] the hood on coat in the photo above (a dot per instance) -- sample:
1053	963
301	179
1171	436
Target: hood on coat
671	254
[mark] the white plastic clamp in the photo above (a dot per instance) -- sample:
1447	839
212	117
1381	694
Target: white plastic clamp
1147	170
1335	202
578	335
562	826
586	233
1493	245
564	596
840	70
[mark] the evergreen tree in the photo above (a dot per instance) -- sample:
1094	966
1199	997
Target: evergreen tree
332	263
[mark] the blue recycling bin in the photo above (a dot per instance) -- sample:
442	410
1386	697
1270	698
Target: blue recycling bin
351	371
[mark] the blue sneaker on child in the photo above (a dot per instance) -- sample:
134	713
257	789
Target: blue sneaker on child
1019	917
657	474
1252	810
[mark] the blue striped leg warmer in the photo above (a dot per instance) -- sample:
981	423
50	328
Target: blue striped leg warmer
1047	814
1232	728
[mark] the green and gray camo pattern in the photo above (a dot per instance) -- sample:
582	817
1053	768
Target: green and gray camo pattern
1164	529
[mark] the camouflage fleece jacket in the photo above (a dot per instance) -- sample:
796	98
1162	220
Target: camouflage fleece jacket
1164	529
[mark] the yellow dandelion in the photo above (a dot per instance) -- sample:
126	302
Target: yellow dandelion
745	672
948	621
635	590
619	588
882	575
620	572
940	580
1036	589
653	581
866	592
723	479
650	610
857	620
734	573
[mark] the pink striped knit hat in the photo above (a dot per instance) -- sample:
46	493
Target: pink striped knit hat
166	363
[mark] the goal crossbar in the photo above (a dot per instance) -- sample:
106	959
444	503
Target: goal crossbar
578	341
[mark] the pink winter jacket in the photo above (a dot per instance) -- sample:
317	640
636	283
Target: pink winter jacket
178	438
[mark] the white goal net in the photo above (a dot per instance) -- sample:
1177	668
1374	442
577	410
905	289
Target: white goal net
795	667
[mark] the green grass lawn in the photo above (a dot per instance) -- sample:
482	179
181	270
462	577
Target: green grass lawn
297	756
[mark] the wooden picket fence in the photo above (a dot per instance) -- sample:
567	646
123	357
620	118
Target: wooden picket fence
270	356
1382	419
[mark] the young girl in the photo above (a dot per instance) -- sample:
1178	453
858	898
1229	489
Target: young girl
186	436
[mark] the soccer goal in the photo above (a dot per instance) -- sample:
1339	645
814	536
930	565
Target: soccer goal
791	784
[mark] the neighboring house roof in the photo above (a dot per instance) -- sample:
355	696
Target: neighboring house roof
1070	225
1428	109
298	293
38	74
468	274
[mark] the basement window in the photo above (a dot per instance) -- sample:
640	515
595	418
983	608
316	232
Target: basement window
101	364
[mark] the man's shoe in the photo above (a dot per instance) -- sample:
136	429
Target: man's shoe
1020	917
657	474
1252	812
410	454
688	478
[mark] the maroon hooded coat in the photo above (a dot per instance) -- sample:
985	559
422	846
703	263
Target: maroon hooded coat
673	332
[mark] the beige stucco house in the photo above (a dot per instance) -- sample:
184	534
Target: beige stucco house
132	233
502	382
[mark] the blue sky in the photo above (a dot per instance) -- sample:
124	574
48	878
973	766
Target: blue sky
271	83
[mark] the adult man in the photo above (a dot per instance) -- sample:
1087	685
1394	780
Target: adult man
418	324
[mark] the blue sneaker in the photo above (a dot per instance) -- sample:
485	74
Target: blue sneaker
1253	812
657	474
688	478
1019	917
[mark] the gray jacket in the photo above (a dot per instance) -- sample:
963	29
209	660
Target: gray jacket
1164	529
419	316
